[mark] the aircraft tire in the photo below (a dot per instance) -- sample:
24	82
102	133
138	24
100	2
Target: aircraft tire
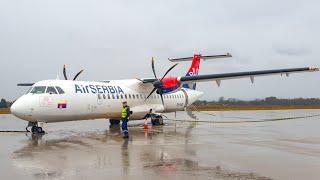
157	120
37	130
34	129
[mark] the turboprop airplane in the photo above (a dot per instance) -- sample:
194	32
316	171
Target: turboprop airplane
51	101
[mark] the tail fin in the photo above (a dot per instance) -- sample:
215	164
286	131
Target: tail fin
193	71
194	68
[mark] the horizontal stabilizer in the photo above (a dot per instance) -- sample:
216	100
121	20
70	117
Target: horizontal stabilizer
201	57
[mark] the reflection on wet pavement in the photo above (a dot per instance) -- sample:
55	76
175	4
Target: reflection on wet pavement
186	150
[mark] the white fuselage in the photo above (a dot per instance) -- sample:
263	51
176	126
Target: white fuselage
83	100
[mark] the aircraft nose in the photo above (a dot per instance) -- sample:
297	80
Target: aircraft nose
15	109
18	109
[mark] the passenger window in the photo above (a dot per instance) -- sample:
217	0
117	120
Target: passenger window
59	90
38	90
129	96
104	96
125	96
121	96
113	96
51	90
117	96
99	96
108	96
133	96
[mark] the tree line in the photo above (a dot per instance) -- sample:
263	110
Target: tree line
268	101
5	104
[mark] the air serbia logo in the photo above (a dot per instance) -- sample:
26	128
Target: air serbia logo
98	89
193	72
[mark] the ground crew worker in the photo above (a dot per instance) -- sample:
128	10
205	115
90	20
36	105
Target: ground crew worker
125	114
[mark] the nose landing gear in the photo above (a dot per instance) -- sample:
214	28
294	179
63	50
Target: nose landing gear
35	129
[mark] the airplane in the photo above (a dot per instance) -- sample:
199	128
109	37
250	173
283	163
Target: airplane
50	101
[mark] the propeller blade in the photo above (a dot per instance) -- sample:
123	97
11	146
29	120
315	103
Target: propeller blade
153	69
76	76
168	71
162	99
154	89
65	72
139	79
25	84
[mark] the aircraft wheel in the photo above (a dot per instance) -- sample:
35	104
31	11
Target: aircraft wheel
157	120
34	129
37	130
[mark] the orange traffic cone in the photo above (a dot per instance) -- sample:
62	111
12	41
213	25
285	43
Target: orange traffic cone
145	125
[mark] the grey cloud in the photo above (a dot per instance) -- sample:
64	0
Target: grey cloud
293	51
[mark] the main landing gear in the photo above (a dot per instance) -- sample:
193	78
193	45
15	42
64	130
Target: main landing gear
156	119
35	129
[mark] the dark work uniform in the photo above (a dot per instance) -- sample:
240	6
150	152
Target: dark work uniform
125	114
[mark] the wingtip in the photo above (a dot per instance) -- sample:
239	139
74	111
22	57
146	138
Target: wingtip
313	68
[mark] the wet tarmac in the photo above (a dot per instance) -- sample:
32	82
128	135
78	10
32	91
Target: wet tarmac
275	145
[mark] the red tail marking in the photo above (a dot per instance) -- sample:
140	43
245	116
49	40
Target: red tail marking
194	68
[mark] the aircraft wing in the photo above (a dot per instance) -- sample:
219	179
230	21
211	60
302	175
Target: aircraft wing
250	74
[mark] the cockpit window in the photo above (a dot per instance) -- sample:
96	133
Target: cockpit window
29	90
59	90
51	90
38	89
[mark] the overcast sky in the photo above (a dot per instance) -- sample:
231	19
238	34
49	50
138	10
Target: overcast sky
116	39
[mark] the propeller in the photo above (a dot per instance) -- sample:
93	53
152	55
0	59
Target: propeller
76	76
65	73
158	84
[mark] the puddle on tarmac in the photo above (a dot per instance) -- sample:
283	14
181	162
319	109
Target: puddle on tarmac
181	150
